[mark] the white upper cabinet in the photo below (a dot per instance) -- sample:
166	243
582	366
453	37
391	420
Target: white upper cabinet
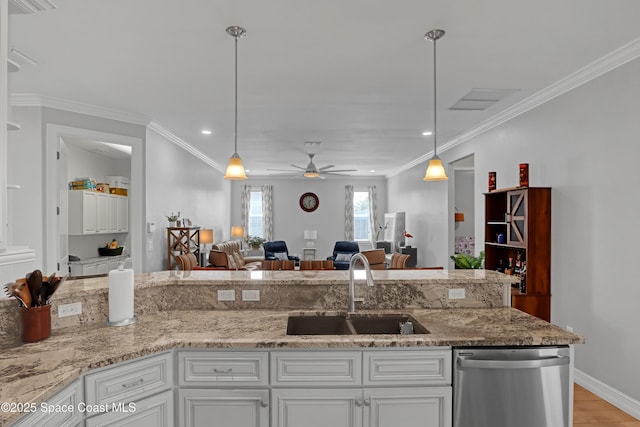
95	213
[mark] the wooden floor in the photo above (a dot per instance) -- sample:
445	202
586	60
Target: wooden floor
591	411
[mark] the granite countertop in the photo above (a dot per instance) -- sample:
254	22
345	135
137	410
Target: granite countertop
34	372
91	260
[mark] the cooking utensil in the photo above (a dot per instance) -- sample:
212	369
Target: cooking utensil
34	281
55	284
20	291
10	291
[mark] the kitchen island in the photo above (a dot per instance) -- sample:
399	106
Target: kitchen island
175	317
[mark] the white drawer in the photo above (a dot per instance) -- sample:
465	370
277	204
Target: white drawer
155	411
223	368
130	381
407	367
316	368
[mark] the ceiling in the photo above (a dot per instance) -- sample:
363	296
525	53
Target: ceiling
356	75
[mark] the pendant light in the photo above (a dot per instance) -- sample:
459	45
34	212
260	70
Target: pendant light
235	169
435	170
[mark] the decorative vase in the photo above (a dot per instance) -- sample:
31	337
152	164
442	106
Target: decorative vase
36	323
172	224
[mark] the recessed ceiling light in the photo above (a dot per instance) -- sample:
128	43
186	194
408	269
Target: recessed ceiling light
372	171
427	133
247	170
206	132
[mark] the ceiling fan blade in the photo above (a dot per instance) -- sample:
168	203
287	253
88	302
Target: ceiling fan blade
282	170
341	170
326	167
299	167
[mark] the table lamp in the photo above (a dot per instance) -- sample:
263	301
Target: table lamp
237	233
206	237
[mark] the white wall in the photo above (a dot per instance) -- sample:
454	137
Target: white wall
178	181
585	145
426	206
289	221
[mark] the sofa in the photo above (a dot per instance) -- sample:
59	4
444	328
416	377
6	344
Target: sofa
228	255
342	253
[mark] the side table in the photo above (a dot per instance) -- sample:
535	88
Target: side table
309	253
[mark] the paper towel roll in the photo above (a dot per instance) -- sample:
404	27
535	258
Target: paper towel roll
120	295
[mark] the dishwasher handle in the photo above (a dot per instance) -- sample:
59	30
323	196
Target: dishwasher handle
543	362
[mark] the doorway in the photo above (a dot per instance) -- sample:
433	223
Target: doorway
464	205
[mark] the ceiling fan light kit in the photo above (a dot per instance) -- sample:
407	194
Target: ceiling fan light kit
435	170
235	168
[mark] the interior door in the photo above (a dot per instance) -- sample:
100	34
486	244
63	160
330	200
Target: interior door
63	209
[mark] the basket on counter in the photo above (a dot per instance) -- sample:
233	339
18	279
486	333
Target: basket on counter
110	252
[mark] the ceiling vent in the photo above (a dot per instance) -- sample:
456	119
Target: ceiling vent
481	99
30	6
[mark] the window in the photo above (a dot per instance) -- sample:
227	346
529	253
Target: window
361	226
256	227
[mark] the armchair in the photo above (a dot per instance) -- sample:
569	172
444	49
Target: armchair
278	250
342	253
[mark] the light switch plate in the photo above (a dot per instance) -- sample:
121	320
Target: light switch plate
251	295
456	293
226	295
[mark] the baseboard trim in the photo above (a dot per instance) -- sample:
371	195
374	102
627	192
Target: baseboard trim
618	399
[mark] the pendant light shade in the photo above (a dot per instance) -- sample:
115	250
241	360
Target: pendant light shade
235	169
435	170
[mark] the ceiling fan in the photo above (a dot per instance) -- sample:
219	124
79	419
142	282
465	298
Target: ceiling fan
312	171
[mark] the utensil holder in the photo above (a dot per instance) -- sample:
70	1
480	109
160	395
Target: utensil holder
36	323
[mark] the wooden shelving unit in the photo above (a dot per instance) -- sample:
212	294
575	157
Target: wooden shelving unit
182	240
523	217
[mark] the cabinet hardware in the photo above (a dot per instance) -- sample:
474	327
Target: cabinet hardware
264	403
133	383
222	371
358	402
367	402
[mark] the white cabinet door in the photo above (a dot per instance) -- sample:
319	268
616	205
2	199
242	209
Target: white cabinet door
122	214
317	408
154	411
408	407
59	416
113	213
223	407
89	215
102	213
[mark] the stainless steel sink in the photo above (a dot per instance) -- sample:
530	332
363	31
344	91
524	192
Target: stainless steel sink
353	324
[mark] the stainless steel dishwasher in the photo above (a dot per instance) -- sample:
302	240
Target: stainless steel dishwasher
511	386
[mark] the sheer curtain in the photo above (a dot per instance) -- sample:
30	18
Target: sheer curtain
244	207
267	211
348	212
373	215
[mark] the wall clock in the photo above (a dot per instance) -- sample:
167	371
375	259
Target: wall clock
309	202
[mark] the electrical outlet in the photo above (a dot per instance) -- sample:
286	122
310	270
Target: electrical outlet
226	295
73	309
251	295
149	245
569	328
456	293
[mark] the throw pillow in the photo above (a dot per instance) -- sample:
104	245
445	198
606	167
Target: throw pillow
343	257
282	256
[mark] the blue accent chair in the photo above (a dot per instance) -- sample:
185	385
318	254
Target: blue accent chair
275	247
342	253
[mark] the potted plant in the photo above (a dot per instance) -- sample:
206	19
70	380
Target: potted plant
255	241
172	219
465	261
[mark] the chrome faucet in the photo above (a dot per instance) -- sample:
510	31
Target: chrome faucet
352	287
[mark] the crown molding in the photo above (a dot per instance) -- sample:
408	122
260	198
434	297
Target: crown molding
33	100
162	131
597	68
